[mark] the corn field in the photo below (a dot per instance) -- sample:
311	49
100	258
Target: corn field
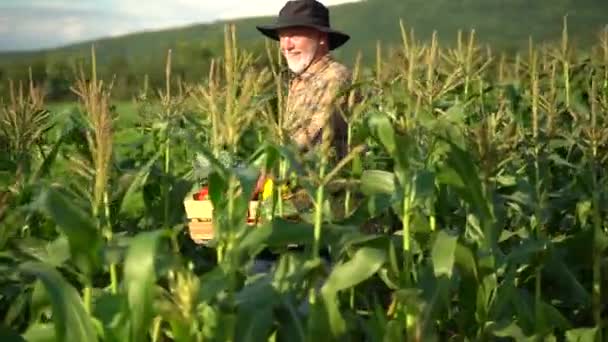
473	205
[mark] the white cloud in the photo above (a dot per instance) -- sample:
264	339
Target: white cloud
189	11
33	29
73	28
232	9
4	25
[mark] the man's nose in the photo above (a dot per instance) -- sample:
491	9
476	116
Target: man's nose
286	43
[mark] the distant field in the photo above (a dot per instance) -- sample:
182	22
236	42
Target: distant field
125	133
126	111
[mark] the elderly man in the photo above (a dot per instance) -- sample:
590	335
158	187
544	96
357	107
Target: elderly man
314	102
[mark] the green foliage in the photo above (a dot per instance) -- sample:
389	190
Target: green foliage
72	323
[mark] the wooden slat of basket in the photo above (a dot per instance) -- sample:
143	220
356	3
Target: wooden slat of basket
198	209
200	214
200	231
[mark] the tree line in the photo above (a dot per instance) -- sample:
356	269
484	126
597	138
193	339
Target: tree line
56	73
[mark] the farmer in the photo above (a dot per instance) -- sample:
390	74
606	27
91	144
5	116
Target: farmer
315	103
315	106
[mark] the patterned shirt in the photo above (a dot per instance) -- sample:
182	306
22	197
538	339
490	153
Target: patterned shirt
314	101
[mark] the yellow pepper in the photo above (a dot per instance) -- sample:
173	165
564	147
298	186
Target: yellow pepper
268	187
267	191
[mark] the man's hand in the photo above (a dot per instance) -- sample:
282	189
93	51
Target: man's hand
259	186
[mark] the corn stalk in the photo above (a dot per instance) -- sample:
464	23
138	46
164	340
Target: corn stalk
94	96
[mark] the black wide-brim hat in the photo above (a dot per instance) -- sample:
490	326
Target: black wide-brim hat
306	13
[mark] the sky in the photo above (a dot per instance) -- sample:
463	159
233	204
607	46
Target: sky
36	24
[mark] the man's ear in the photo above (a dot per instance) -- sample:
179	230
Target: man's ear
323	38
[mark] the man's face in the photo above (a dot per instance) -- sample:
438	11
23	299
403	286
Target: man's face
299	46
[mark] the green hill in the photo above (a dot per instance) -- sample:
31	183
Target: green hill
505	25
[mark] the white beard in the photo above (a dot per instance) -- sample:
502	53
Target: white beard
297	64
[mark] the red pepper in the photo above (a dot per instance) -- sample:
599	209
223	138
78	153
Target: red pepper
202	194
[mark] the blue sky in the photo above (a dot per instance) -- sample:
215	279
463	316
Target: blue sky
33	24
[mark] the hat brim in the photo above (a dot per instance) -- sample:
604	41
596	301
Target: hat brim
336	38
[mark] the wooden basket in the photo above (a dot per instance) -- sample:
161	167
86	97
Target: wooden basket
200	217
